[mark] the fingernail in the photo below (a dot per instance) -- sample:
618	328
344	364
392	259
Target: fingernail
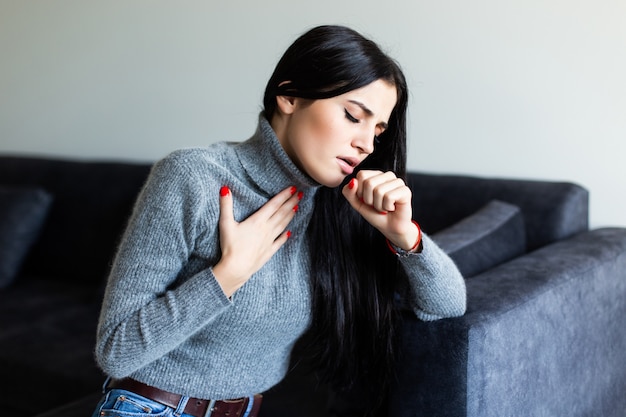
293	190
351	184
295	208
224	191
288	233
382	212
300	195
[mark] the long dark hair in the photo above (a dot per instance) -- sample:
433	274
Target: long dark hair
355	275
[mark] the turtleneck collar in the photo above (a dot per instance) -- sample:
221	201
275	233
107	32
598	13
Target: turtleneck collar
268	165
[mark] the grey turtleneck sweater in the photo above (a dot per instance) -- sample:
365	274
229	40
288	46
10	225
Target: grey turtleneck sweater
165	320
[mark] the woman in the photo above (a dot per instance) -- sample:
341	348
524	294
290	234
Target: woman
234	251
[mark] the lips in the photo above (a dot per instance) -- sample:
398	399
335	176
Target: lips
347	164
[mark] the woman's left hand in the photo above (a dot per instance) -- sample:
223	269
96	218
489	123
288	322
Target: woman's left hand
384	200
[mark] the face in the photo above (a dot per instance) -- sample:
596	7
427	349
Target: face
328	138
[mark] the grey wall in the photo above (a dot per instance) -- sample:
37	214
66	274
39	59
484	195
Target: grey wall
528	89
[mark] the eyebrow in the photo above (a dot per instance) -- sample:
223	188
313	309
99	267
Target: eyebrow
367	111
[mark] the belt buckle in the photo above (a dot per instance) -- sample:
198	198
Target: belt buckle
209	408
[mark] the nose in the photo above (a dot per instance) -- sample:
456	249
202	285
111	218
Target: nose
364	141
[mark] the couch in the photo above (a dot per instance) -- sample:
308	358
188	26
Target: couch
542	336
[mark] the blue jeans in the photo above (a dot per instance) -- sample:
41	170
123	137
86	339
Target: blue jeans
122	403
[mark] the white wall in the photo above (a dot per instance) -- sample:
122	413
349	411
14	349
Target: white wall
524	89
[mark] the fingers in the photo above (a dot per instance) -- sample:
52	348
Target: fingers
280	241
279	210
381	191
384	201
274	216
226	218
248	244
349	191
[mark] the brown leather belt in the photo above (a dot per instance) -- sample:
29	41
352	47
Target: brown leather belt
195	407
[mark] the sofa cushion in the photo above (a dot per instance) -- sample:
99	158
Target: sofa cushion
47	337
22	214
552	211
492	235
92	202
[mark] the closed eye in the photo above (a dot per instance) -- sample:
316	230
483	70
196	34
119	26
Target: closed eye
351	117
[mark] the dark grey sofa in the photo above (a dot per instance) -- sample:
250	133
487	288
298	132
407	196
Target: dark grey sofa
544	333
49	312
542	336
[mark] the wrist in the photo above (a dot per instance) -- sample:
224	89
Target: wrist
409	243
227	281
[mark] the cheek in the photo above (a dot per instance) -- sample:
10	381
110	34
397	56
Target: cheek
325	129
311	132
316	129
318	125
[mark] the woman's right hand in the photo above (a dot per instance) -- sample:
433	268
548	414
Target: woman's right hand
246	246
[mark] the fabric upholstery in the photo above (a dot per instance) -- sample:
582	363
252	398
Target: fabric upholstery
552	210
22	214
47	334
489	237
92	202
48	316
543	336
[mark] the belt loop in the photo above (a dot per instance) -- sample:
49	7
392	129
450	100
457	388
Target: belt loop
181	405
209	409
250	405
106	384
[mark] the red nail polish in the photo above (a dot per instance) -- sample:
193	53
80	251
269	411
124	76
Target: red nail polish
382	212
293	190
288	233
351	184
295	208
300	195
224	191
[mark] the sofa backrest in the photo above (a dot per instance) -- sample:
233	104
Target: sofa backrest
93	201
551	210
91	205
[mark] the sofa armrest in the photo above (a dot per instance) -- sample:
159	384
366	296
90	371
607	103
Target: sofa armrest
543	335
552	210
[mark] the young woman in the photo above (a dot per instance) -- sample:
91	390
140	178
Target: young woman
234	251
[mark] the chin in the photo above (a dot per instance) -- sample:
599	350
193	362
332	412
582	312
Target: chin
332	183
327	179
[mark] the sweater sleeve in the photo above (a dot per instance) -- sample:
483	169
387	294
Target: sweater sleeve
145	312
436	287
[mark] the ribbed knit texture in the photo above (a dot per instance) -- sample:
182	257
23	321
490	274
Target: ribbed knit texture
165	320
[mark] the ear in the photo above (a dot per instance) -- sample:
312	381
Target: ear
286	104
